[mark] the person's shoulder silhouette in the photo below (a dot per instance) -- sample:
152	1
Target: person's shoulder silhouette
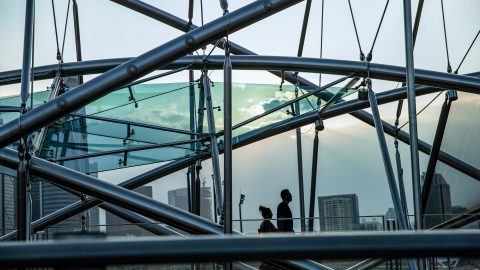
267	225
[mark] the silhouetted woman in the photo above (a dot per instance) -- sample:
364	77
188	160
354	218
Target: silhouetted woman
267	225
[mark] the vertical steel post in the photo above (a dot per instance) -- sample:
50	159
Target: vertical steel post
213	141
313	186
21	202
227	139
300	168
23	195
191	171
387	163
189	191
78	44
197	189
401	186
27	52
437	143
412	114
240	216
297	112
198	164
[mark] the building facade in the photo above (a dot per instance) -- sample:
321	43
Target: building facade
339	212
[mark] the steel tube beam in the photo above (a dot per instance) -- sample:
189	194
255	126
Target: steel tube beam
78	43
152	175
114	194
125	198
465	83
303	33
251	137
139	220
184	26
80	206
227	142
27	52
190	10
213	143
313	185
21	209
416	24
386	158
139	66
23	196
191	170
298	133
412	115
301	188
99	252
437	143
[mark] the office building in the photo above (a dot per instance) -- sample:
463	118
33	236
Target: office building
119	227
339	212
439	204
179	198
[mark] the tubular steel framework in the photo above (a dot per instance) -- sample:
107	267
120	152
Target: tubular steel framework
28	133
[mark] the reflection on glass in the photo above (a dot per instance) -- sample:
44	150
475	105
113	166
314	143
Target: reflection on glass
142	118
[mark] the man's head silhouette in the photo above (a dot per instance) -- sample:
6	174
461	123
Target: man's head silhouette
286	195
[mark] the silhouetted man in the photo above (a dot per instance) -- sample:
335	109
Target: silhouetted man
284	214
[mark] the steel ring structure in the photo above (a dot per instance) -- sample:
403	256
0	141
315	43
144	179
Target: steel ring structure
102	116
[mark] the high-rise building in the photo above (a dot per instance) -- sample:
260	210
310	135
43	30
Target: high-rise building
439	204
339	212
119	227
179	198
371	224
8	221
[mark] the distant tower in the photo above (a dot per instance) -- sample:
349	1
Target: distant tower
439	204
339	212
178	198
119	227
8	221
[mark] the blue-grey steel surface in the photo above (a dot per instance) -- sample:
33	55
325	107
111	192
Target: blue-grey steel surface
227	142
392	184
213	144
412	114
99	252
467	83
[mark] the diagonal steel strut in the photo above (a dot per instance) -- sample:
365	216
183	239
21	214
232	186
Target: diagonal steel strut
138	67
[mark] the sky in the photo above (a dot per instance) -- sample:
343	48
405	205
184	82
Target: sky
349	157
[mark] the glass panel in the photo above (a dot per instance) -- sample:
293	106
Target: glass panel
127	132
39	98
61	146
161	104
164	105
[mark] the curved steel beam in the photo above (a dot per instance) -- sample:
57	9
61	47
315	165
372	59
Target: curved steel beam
101	252
139	67
467	83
